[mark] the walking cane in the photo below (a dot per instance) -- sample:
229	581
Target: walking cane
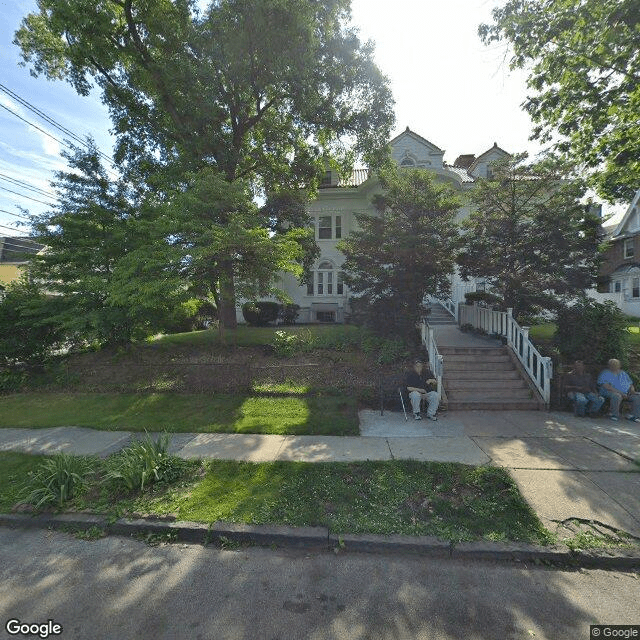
402	400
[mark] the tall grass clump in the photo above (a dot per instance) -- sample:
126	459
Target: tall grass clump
142	463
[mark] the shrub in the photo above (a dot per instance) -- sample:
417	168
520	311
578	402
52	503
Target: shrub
289	313
285	344
593	332
142	463
29	325
260	314
57	480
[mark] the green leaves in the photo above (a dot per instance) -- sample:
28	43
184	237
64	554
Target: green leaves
406	253
530	236
584	67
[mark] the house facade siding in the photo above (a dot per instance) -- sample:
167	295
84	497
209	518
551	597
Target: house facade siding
334	215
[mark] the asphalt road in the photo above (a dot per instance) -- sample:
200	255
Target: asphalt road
122	589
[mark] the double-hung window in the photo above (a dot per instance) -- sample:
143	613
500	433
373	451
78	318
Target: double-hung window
324	227
628	248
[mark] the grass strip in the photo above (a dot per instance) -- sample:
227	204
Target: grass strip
452	501
283	415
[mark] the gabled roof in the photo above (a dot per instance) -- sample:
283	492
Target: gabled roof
417	137
625	218
465	160
15	248
357	177
495	147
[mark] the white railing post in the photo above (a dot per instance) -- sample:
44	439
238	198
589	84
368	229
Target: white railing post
509	323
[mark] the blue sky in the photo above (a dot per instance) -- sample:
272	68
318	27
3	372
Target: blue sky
448	87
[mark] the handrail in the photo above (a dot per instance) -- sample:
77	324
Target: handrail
501	323
436	361
449	305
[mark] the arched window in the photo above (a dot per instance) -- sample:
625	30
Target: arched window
407	162
326	280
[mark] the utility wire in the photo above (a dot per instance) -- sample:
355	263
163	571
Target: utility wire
46	133
64	143
25	185
17	215
4	226
49	204
52	121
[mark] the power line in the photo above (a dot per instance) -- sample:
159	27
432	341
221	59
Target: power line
28	197
46	133
4	226
25	185
17	215
31	107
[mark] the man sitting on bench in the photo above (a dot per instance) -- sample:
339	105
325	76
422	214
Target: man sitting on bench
616	385
421	384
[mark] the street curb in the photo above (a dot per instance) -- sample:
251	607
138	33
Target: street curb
320	539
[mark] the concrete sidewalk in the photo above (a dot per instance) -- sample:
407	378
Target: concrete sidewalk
251	447
565	467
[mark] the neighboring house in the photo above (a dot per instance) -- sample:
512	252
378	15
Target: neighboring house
325	298
619	279
14	256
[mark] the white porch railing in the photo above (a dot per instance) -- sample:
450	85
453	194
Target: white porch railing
538	367
436	362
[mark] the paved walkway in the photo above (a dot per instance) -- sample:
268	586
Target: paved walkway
566	467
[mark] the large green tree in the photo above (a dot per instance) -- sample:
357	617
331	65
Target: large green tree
405	253
530	235
112	284
583	60
258	90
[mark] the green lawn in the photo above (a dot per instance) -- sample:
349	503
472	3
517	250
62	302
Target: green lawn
547	330
451	501
328	415
542	331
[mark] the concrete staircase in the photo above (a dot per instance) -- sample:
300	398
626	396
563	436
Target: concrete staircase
485	378
439	316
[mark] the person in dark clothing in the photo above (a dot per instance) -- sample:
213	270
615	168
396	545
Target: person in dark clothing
421	384
582	391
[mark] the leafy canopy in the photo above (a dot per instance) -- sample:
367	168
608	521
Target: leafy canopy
263	92
530	236
583	60
406	252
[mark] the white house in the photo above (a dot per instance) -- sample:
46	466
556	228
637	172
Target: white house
326	297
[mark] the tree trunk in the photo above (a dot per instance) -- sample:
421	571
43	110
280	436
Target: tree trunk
227	296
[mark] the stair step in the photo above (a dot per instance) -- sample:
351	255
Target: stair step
478	366
478	385
490	405
470	374
475	395
471	351
490	357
